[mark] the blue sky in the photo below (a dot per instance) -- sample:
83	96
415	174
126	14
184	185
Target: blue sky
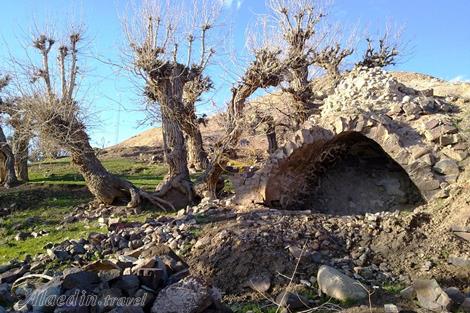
437	32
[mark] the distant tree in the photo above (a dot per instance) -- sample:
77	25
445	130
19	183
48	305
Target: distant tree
383	54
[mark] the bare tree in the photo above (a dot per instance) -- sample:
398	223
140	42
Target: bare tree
7	173
174	80
330	59
57	116
382	55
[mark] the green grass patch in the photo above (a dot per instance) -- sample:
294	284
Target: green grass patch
63	172
393	288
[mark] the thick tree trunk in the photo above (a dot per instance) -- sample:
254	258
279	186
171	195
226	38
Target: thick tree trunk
177	186
197	156
9	162
20	150
106	187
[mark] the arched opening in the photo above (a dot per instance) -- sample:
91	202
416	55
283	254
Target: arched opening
350	174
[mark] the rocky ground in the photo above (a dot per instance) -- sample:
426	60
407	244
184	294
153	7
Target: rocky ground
213	254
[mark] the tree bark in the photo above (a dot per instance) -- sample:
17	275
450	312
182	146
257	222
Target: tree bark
10	177
106	187
197	156
21	150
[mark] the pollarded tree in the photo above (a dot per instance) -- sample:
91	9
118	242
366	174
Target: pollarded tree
56	116
297	22
174	80
330	59
264	71
17	120
383	55
7	173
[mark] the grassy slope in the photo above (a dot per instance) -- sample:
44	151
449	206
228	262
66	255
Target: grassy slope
54	190
62	172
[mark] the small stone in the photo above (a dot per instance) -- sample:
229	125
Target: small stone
465	307
292	301
391	308
22	236
260	283
447	167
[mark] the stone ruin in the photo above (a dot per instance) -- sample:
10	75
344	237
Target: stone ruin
377	145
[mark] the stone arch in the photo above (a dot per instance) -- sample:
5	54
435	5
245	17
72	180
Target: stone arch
400	143
348	173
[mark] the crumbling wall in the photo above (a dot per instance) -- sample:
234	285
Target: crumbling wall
413	128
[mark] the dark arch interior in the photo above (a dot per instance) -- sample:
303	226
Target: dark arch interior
356	177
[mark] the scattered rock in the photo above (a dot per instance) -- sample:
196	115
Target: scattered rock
447	167
391	308
339	286
292	301
431	296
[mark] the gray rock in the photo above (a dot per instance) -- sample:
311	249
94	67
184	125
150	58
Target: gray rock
292	301
465	307
187	296
5	294
127	309
57	254
81	280
129	284
260	283
447	167
339	286
13	274
38	298
430	295
455	295
22	236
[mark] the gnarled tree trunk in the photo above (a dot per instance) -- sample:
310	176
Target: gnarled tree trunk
10	179
177	186
197	156
106	187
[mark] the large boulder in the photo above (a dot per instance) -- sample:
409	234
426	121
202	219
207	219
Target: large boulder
189	295
339	286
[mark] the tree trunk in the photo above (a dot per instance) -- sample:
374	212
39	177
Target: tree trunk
10	175
20	150
106	187
177	186
272	139
197	156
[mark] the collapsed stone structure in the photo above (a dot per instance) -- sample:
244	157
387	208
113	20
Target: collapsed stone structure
374	136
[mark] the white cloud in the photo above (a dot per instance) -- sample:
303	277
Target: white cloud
239	4
460	79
